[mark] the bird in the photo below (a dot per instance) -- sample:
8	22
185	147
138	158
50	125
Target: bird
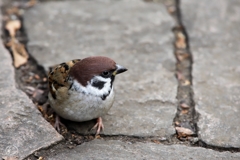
82	89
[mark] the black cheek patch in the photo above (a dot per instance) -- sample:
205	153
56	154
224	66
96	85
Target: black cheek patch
98	84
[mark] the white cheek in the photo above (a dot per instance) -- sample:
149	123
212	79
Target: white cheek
89	89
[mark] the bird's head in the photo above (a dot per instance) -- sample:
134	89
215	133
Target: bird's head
96	73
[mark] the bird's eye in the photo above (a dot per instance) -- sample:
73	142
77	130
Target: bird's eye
105	73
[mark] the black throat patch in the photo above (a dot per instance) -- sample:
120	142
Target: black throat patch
105	95
112	80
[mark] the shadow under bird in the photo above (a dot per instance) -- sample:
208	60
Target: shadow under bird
82	90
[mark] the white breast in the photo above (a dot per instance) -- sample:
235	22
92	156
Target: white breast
83	103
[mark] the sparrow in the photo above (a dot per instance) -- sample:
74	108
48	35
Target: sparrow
82	90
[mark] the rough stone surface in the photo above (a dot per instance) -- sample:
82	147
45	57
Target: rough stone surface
22	128
135	34
101	149
133	120
213	27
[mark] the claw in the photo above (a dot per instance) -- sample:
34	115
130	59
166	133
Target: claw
99	125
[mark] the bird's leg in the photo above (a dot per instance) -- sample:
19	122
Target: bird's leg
98	125
58	123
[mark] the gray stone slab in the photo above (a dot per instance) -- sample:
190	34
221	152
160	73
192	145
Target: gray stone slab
113	149
135	34
213	27
139	119
22	128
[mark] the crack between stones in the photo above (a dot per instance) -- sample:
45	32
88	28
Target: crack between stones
185	121
216	148
186	118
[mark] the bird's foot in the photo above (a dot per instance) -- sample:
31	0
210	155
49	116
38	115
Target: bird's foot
58	123
98	125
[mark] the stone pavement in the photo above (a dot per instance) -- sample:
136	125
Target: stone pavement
214	39
115	149
137	35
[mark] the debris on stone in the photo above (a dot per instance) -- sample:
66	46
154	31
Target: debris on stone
156	141
40	158
180	41
10	158
184	132
186	116
20	55
184	105
12	26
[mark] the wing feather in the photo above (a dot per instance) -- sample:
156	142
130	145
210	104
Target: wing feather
58	76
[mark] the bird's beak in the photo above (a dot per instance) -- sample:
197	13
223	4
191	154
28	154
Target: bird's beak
120	69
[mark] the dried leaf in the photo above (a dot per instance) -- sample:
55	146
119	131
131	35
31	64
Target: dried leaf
186	83
40	158
98	137
43	109
36	76
12	26
156	141
31	3
184	111
20	54
177	123
183	132
181	41
10	158
182	57
184	106
19	60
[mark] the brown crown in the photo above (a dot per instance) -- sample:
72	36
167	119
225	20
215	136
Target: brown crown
84	70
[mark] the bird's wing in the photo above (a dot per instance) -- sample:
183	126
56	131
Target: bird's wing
57	77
